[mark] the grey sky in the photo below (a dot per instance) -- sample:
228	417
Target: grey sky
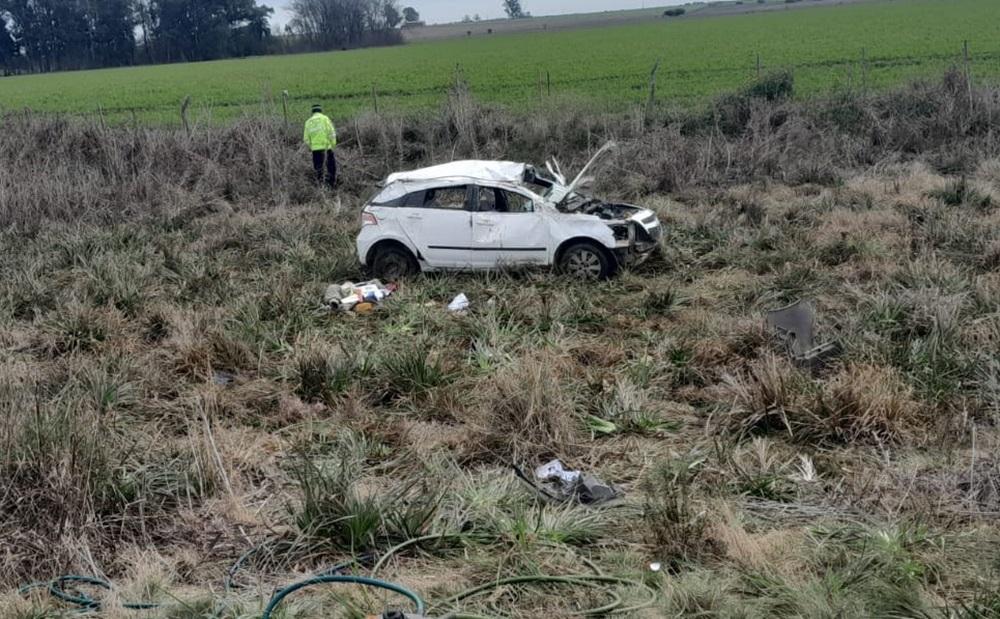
440	11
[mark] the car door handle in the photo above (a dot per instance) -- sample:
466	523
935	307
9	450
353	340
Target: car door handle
485	222
415	216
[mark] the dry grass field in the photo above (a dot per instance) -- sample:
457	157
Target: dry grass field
173	395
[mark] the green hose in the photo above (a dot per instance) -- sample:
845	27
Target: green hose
56	589
354	580
598	580
586	580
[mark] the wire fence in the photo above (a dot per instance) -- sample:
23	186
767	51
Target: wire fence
677	84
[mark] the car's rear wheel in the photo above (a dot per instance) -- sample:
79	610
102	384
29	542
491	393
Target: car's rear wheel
392	263
585	261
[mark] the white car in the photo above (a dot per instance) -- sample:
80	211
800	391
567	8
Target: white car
471	215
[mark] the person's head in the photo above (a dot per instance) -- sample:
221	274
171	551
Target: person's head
317	109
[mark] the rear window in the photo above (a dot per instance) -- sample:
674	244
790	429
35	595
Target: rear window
449	198
410	200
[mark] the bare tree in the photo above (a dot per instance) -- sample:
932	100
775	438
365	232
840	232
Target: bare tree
329	24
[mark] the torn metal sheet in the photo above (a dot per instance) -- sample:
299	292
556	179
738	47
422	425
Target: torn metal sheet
796	324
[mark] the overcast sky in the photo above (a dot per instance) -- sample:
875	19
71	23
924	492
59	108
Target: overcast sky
441	11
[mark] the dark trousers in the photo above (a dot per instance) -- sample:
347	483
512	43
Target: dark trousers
325	159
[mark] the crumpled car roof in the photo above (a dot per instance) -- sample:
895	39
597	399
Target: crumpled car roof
502	171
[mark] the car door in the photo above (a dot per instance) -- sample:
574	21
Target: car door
441	227
508	229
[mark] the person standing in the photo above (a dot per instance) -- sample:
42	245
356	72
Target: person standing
321	138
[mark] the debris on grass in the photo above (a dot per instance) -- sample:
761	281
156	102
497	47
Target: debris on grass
565	485
360	298
795	324
459	304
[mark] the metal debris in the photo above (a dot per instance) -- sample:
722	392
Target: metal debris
559	483
795	324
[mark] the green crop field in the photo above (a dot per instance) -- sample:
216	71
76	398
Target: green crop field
610	66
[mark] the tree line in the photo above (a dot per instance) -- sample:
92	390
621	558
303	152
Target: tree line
55	35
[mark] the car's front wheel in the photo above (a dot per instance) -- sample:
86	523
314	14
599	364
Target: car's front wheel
585	261
392	263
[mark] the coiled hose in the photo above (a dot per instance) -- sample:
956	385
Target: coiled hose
355	580
61	588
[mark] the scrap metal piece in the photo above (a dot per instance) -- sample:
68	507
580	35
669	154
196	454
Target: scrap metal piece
592	490
557	483
796	324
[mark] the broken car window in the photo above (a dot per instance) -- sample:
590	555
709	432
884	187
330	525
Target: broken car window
487	199
502	201
451	198
413	200
516	203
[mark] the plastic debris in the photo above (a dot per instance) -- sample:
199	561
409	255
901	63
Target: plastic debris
565	485
459	303
554	470
359	298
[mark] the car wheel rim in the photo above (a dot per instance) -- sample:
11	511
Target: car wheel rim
584	264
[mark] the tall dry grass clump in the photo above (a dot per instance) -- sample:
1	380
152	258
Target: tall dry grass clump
529	409
868	404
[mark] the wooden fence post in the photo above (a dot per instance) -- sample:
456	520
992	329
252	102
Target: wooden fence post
184	114
864	70
968	69
375	98
758	66
652	84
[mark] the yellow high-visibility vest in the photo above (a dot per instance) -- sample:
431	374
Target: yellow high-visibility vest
320	133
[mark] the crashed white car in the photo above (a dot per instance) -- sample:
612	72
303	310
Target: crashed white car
499	214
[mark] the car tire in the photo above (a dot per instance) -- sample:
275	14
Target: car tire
585	261
394	263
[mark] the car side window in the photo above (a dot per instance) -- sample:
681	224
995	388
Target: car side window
516	203
501	201
449	198
487	199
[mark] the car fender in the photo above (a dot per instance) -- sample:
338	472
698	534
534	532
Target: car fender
367	242
574	226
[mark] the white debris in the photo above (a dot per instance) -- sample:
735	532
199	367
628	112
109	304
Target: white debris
554	470
459	303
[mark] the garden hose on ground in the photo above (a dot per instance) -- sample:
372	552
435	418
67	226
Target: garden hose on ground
230	583
56	589
597	581
616	606
356	580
